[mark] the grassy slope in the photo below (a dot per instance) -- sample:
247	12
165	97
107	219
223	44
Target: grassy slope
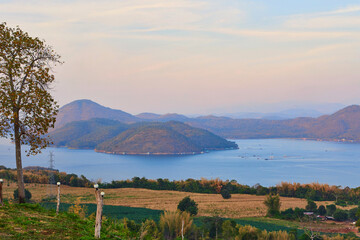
29	221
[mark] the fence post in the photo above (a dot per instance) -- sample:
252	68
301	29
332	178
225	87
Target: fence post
58	199
99	202
1	194
182	229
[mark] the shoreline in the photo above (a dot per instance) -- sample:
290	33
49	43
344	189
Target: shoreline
343	140
164	154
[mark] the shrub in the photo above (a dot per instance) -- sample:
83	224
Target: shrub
341	203
299	212
248	232
188	205
272	202
213	226
288	214
340	215
225	194
322	210
149	230
278	235
27	194
78	209
173	223
330	209
229	229
353	214
311	206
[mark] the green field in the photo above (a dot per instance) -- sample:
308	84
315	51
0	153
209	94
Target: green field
139	214
114	212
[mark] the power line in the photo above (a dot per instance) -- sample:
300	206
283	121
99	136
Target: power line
51	176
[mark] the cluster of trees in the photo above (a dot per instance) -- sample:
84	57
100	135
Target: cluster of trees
319	192
272	202
313	191
42	176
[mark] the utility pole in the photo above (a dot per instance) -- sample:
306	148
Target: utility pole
51	175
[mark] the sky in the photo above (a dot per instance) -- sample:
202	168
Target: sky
198	57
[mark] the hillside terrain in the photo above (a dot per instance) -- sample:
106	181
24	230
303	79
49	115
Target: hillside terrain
111	136
343	125
86	109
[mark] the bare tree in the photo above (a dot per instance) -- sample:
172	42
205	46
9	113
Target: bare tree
310	229
27	109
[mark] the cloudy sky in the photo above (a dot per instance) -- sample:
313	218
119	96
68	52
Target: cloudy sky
198	56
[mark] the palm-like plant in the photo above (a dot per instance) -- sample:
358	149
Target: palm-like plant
175	223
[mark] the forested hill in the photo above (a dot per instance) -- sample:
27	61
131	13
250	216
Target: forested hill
86	109
111	136
342	125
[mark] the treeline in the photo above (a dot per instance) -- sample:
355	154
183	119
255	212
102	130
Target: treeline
45	176
313	191
328	212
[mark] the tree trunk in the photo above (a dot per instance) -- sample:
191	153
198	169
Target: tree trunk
216	230
20	177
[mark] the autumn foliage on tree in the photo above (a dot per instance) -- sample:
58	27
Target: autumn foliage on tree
27	109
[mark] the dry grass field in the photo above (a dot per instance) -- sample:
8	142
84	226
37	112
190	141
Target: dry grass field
240	205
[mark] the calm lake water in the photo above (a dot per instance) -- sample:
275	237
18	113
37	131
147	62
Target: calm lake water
264	161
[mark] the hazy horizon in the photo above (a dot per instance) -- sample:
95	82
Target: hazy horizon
199	57
292	109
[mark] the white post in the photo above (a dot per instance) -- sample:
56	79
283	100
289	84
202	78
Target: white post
58	199
99	201
1	195
182	230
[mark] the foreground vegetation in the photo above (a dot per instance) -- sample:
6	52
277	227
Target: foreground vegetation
140	205
31	221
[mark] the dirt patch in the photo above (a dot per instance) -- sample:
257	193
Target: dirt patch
330	227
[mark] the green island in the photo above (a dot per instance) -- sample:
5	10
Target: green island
110	136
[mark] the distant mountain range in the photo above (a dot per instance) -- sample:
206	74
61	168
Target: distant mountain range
343	125
293	110
111	136
281	115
